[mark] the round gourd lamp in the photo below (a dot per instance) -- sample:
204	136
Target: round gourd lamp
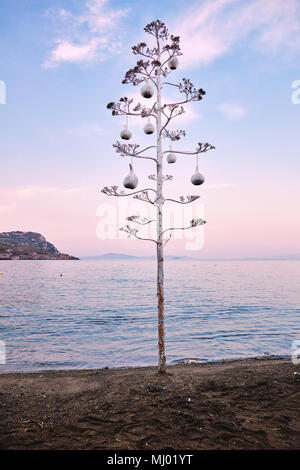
125	134
171	158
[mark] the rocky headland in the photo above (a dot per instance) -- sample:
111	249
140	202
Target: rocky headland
28	245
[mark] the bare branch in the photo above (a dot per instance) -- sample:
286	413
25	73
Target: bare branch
169	83
114	191
193	223
145	68
191	93
144	150
157	29
200	149
123	108
174	135
164	177
144	50
175	111
184	199
131	150
144	196
189	90
134	232
142	69
137	219
167	239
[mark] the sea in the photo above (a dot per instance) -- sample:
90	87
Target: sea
103	313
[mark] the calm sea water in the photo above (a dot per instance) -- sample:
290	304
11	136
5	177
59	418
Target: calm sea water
103	313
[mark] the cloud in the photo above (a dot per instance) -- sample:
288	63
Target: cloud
65	51
232	111
87	130
212	29
86	37
32	192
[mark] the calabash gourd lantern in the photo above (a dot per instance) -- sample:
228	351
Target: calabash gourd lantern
131	180
197	177
171	158
147	90
149	127
126	134
173	63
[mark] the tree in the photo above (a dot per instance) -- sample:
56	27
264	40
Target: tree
157	62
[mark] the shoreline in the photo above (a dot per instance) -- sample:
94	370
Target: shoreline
184	361
237	404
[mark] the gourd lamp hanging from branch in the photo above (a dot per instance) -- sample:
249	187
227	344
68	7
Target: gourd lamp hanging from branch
147	90
171	158
197	178
131	180
125	134
173	63
149	127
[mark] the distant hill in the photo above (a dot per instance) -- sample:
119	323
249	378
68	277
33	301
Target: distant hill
112	256
28	245
120	256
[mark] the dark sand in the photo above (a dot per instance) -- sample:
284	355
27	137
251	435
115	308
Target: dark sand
249	404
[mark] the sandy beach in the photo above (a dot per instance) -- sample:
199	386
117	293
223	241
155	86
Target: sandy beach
247	404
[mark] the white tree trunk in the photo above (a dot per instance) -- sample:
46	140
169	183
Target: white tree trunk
160	255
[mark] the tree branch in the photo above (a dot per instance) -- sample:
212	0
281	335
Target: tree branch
167	239
145	197
164	177
123	108
130	150
200	149
137	219
113	191
193	223
184	200
174	135
134	232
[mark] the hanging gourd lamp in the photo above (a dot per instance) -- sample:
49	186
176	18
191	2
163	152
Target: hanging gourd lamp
125	134
171	158
197	177
131	180
147	90
173	63
149	127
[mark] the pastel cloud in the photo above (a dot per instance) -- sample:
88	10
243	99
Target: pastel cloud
87	37
32	192
212	29
87	130
232	111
